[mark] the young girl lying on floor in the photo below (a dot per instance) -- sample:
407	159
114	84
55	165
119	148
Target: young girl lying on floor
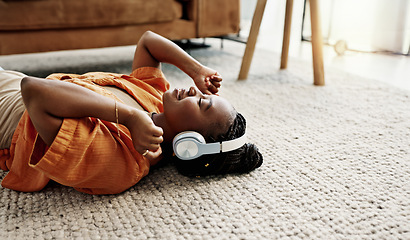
101	132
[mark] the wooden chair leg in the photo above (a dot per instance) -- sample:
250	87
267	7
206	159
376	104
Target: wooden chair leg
286	34
317	44
253	36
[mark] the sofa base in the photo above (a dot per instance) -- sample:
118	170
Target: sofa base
15	42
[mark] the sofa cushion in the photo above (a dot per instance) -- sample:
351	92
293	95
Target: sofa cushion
57	14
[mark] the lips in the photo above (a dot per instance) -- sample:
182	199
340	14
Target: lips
179	93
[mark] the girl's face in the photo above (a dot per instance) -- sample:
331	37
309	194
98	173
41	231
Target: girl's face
190	109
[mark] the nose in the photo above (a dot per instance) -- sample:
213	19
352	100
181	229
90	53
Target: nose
192	91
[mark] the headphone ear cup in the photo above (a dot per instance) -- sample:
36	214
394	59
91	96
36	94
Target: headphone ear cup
186	145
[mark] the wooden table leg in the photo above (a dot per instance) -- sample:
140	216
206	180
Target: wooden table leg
317	44
253	36
286	34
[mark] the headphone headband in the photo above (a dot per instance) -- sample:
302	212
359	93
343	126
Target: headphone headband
234	143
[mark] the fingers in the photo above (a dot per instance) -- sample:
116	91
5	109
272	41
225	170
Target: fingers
152	144
214	87
153	156
154	136
155	140
148	150
146	136
216	84
150	141
216	77
157	131
153	147
209	82
213	83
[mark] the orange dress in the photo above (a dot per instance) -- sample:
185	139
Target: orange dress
87	153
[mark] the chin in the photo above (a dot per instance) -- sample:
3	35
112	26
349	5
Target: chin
168	101
166	97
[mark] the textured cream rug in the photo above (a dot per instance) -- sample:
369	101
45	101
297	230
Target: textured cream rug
336	163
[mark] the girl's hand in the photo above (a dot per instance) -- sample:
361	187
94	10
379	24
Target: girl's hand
145	135
207	80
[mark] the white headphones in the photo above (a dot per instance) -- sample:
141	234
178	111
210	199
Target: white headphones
189	145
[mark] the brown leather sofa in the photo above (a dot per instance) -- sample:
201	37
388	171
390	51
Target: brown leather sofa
28	26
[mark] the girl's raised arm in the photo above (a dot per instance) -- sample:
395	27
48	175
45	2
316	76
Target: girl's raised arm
152	49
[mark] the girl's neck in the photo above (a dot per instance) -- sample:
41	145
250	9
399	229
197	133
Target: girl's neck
160	121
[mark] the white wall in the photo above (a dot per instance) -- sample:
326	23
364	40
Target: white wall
392	30
367	25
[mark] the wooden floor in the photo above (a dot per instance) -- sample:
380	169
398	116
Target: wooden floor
389	68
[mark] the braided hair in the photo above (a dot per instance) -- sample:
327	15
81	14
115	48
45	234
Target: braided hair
241	160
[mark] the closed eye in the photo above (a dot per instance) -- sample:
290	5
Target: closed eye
209	105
